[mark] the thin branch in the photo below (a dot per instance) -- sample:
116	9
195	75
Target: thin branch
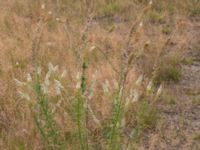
36	44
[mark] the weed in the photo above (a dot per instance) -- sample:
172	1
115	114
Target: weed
194	8
196	100
47	128
114	135
197	137
81	121
169	73
169	98
81	111
188	61
167	30
195	11
110	8
154	16
146	116
44	120
40	109
168	70
76	109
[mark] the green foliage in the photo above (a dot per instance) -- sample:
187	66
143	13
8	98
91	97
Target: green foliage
187	61
147	116
170	8
154	16
196	100
110	8
167	30
22	64
197	137
168	73
115	130
168	70
194	8
81	111
81	121
52	24
141	1
168	98
45	122
194	12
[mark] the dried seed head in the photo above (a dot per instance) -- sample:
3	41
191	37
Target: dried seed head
45	85
63	74
150	86
45	88
29	78
150	2
141	24
136	96
19	83
50	12
43	6
92	48
105	86
52	68
116	85
24	95
139	80
58	87
39	70
123	122
159	90
93	84
17	64
78	80
127	104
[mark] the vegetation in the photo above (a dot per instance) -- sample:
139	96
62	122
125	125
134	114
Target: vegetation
88	74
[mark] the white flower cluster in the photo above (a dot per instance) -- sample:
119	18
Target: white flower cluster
105	86
45	83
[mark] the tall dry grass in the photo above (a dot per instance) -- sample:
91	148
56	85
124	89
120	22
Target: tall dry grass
101	92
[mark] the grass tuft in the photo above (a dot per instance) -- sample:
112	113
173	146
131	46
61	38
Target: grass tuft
168	70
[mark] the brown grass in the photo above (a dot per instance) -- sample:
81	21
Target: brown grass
29	33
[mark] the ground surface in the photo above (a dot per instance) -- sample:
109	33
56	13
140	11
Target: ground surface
169	28
180	129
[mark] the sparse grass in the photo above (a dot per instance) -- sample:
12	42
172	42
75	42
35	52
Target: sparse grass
194	12
147	116
168	70
194	8
154	16
167	74
196	100
168	98
197	48
97	97
188	61
110	8
197	137
191	92
167	30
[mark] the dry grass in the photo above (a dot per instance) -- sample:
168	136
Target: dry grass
121	40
